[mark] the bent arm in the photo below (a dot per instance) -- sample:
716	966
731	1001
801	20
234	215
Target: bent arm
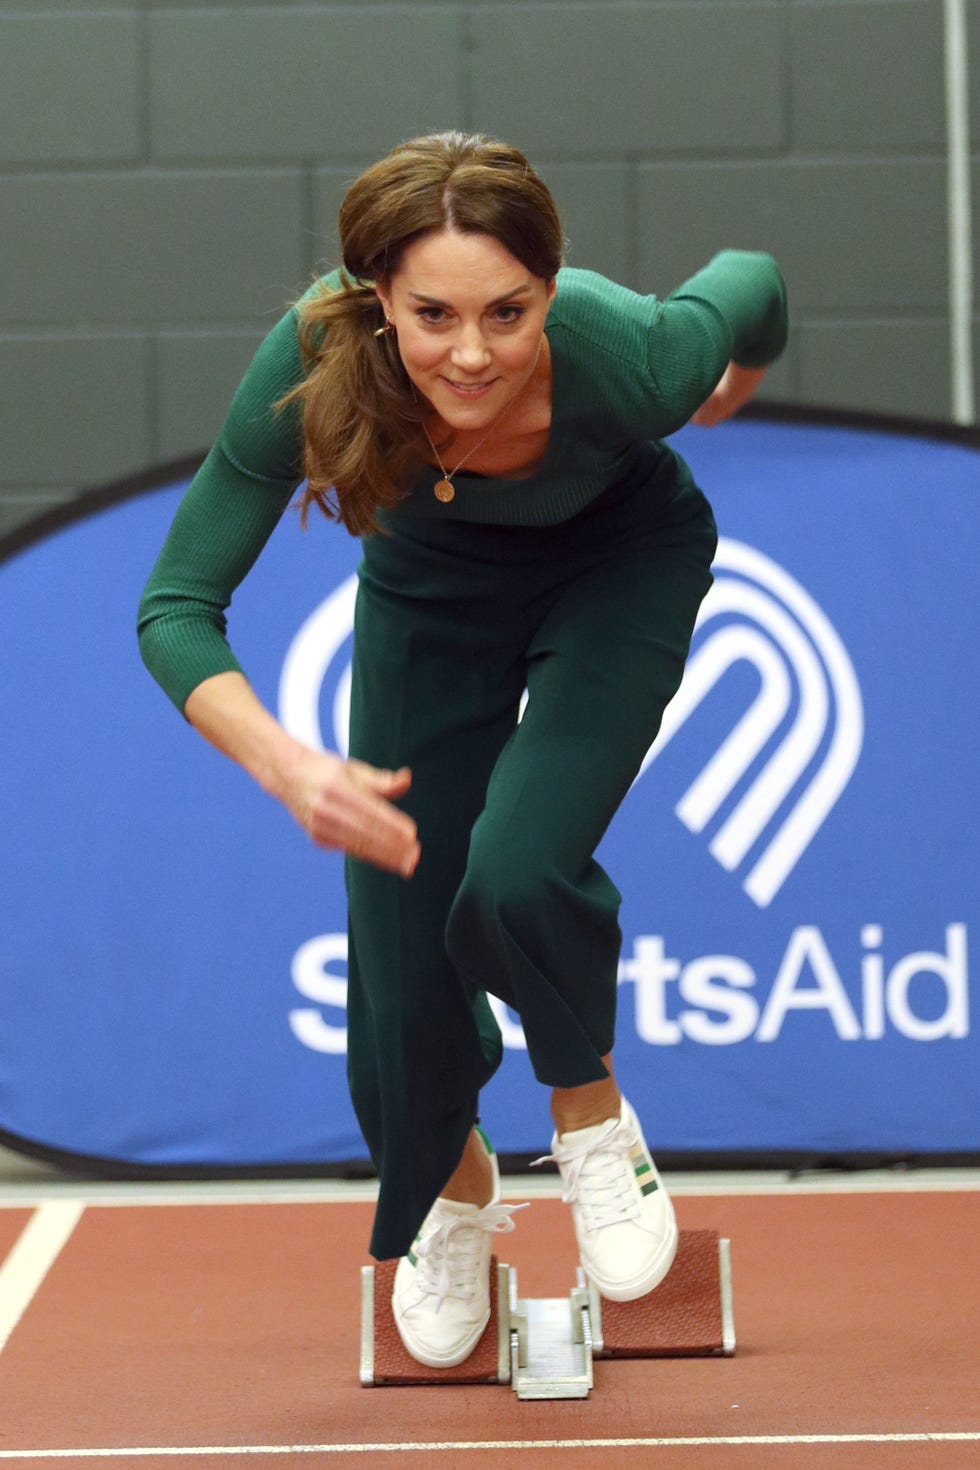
224	520
733	312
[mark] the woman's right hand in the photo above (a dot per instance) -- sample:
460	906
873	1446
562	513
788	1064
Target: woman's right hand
347	804
344	804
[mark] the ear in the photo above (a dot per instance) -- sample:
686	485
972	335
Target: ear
552	288
384	296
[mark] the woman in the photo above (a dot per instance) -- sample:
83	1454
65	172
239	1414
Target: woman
490	424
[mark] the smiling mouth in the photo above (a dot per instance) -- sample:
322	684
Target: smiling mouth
468	390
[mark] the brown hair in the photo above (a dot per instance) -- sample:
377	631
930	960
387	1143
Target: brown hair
361	419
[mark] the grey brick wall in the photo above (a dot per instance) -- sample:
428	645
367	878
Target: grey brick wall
170	173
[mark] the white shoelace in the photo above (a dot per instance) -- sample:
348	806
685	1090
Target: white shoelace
449	1258
598	1177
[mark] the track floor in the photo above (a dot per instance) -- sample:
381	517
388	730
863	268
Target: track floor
149	1329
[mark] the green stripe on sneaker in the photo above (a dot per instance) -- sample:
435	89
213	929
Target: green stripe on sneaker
412	1258
643	1168
649	1188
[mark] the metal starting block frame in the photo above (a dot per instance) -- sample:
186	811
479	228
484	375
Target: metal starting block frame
544	1347
551	1343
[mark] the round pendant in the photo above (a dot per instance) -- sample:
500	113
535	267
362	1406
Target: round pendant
443	491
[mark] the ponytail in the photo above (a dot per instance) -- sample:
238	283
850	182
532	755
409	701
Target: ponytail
361	420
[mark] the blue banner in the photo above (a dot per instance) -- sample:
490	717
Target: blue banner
797	858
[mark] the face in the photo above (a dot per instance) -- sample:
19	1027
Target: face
469	319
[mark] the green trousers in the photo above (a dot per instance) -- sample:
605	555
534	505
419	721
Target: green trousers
594	617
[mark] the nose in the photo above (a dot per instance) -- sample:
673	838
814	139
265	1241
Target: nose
470	352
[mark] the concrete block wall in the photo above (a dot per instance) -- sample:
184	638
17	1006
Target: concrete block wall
170	172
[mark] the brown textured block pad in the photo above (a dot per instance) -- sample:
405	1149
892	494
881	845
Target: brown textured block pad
393	1365
681	1318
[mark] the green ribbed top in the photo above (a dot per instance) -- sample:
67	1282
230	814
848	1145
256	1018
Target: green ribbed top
627	370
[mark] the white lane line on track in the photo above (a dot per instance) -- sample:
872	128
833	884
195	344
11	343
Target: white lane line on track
149	1193
40	1243
457	1446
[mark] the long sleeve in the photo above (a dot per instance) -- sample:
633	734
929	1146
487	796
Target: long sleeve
649	363
733	310
226	517
745	293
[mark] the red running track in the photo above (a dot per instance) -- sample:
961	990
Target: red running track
226	1335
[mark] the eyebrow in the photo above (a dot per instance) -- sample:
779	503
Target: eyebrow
497	301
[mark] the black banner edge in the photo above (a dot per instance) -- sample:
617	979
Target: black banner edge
796	1162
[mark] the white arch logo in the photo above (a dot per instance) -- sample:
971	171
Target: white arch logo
771	623
778	628
306	665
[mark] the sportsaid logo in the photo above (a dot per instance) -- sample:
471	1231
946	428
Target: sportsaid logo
767	790
716	1000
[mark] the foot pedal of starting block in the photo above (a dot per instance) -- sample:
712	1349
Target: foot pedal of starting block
385	1361
689	1315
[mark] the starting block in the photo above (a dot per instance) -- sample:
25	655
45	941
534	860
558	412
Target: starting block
544	1347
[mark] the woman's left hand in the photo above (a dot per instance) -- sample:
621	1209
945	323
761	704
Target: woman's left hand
736	387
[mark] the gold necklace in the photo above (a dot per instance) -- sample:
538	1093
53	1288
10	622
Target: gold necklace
443	489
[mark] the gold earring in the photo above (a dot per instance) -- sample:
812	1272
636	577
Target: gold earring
388	327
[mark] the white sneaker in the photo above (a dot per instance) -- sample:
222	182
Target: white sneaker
441	1296
624	1220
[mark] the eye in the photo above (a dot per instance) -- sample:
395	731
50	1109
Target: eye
509	316
433	316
